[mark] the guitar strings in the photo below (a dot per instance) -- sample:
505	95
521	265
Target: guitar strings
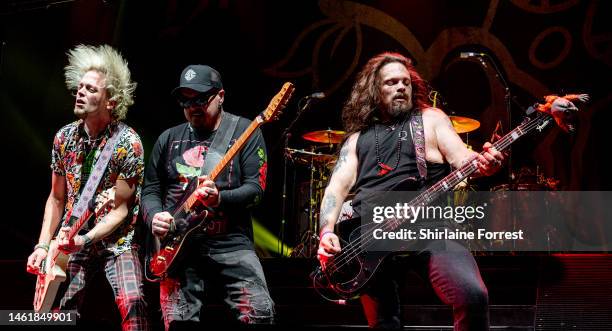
353	249
501	144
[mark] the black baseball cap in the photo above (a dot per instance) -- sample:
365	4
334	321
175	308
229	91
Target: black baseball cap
201	78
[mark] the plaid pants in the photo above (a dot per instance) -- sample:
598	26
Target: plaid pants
124	274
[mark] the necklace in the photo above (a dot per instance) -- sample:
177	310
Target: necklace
385	168
92	141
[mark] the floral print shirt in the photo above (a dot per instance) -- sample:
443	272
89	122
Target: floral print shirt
71	148
176	161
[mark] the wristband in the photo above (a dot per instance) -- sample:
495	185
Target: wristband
86	240
43	246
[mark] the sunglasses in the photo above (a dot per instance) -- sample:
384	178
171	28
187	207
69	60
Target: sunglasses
197	101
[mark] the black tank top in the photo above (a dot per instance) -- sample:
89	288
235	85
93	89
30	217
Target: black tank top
369	176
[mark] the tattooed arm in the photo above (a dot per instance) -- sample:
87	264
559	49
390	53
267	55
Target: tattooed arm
342	179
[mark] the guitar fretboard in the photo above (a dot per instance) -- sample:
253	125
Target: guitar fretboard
79	223
224	162
539	121
277	103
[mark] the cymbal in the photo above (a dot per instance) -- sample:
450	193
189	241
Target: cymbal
464	124
325	136
306	157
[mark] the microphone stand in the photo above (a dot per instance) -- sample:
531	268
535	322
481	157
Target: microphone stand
508	102
286	136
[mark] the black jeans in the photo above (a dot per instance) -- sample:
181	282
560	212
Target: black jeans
453	274
238	273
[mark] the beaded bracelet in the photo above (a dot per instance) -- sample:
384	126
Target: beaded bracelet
43	246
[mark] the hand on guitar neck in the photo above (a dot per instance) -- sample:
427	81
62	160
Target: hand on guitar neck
68	241
489	161
70	245
207	193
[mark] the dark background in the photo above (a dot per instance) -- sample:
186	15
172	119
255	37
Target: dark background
540	47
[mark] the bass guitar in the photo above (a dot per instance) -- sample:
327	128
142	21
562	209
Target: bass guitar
349	271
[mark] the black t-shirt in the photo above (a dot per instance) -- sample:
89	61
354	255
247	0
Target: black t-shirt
371	178
176	160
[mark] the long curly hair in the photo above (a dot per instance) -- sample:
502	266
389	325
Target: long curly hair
108	61
361	107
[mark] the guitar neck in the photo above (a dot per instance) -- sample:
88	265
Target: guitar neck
236	147
278	102
94	209
74	229
225	161
539	121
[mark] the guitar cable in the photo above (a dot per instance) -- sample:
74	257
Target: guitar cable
316	288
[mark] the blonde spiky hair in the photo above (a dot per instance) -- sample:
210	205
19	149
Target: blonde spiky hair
108	61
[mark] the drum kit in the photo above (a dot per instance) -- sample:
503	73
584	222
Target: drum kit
320	166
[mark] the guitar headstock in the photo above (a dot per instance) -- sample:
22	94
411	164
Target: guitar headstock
278	103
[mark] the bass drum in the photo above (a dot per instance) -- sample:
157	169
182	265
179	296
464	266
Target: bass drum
525	209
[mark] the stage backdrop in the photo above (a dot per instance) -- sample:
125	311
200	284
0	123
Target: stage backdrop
539	47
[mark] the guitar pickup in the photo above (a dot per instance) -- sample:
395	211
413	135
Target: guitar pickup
169	248
161	258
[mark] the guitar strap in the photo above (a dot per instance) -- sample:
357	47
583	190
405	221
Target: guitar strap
220	143
417	132
96	174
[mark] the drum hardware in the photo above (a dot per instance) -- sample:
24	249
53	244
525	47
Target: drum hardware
319	166
309	158
529	180
320	159
303	104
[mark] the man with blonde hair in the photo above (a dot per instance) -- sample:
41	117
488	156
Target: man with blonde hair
106	243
